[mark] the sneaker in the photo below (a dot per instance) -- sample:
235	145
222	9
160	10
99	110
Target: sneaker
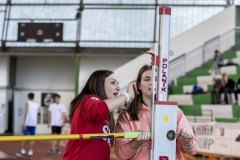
58	151
19	154
51	151
30	153
22	153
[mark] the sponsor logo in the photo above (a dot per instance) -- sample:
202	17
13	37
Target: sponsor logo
106	129
164	74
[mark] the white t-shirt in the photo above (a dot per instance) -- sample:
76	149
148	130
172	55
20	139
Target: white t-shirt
57	111
31	119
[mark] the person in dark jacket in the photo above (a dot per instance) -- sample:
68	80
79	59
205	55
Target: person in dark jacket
228	87
216	91
237	90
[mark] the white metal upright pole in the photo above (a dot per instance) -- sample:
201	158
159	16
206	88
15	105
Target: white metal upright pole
154	93
165	113
164	39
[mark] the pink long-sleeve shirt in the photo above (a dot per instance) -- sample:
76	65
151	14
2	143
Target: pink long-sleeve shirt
124	124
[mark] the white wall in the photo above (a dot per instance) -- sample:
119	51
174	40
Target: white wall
4	78
45	73
42	75
128	72
89	64
195	37
4	71
3	111
54	74
20	98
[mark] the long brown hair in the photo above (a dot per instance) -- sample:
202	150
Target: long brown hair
136	104
95	85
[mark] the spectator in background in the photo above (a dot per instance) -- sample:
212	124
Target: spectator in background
30	122
237	90
197	89
218	62
228	87
216	91
56	118
230	2
231	63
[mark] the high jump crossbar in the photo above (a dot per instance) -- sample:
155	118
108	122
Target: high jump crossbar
69	136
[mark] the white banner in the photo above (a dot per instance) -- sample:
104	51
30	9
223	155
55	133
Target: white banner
205	135
219	138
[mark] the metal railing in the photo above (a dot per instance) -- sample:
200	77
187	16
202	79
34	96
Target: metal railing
207	116
186	62
144	14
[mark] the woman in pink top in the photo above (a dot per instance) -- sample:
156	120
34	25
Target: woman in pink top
137	118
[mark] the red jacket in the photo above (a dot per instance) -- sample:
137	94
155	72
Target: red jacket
90	116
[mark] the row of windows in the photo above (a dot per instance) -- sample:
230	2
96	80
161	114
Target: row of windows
181	2
104	26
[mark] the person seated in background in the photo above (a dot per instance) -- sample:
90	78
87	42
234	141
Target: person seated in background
216	91
228	87
197	90
236	91
231	63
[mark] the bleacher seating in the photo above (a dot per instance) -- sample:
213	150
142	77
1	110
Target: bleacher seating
198	107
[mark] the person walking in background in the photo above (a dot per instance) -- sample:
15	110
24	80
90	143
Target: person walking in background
137	118
218	62
90	113
30	122
56	118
